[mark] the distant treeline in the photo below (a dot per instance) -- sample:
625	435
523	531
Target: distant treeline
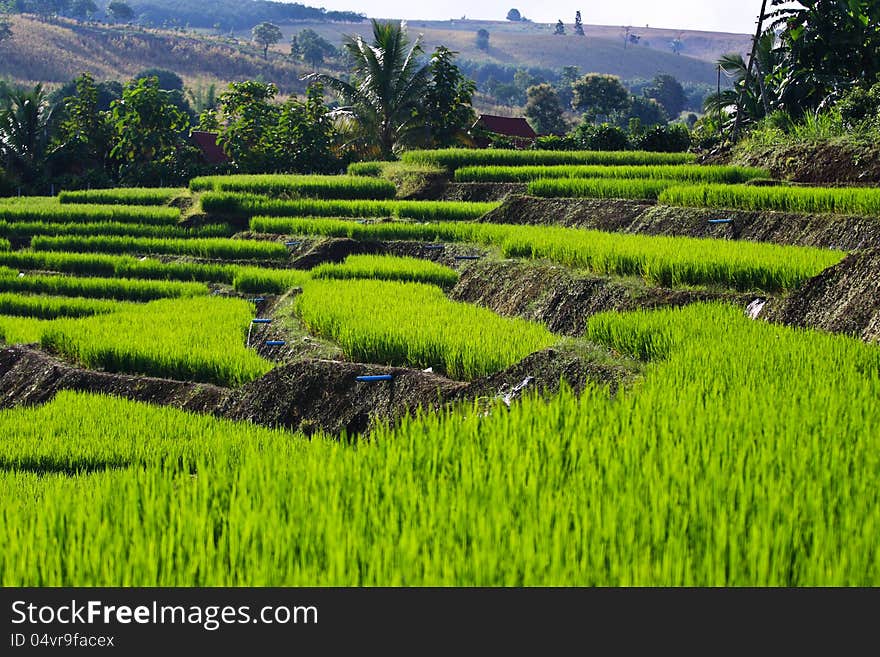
222	14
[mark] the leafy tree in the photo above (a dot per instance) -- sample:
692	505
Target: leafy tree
83	8
120	11
249	117
758	96
677	45
599	95
483	39
567	77
672	138
560	28
387	87
147	125
168	80
448	102
824	48
25	120
303	139
85	134
311	47
667	91
544	110
578	24
266	34
603	137
514	15
647	111
5	29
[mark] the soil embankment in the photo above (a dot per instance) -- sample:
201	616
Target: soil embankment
562	298
842	299
642	217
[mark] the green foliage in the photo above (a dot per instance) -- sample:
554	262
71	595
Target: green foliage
454	158
26	117
688	172
311	47
47	307
388	268
669	93
482	39
672	138
415	324
85	135
120	11
249	116
331	187
448	111
544	110
637	188
854	200
599	96
26	229
219	248
246	205
85	213
602	137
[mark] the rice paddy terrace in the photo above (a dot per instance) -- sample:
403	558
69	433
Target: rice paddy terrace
464	368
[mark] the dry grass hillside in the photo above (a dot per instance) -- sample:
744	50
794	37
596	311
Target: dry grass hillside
55	52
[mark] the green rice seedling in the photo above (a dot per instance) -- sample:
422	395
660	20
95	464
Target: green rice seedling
367	169
329	187
49	307
681	172
388	268
669	261
123	196
634	188
839	200
4	245
415	324
197	339
28	200
122	289
55	213
454	158
243	205
268	281
227	249
26	229
21	330
747	456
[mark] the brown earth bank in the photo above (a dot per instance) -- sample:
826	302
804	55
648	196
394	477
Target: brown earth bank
480	191
842	299
314	252
642	217
562	298
824	162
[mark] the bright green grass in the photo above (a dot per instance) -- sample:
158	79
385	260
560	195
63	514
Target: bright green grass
244	205
658	259
335	187
49	307
748	456
25	229
634	188
415	324
122	289
687	172
55	213
123	196
222	248
197	339
454	158
853	200
388	268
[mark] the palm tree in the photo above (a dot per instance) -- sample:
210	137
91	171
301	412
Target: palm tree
387	88
25	121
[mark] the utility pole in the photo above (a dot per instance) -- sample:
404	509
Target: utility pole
748	78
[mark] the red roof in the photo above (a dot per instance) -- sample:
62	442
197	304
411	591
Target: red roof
506	125
207	143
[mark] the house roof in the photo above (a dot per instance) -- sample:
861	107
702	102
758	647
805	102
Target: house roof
207	143
506	125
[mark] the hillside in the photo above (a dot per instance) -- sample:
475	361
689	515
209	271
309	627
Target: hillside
55	52
32	54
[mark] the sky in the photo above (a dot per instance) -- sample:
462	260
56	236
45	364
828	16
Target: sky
709	15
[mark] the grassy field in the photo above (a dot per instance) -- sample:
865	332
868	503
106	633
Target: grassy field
633	188
388	268
327	187
455	158
128	196
682	172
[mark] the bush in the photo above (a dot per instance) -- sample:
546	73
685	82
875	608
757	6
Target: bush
859	106
672	138
604	137
556	143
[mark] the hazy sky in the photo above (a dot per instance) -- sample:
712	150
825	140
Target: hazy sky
711	15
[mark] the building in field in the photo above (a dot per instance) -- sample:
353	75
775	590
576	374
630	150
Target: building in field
516	129
206	142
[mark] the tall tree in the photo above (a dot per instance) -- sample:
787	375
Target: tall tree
578	24
25	121
544	110
482	39
248	117
448	102
560	28
599	96
85	135
667	91
303	140
266	34
514	15
147	125
120	11
311	47
387	86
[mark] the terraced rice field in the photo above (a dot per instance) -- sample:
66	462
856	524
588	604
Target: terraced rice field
738	453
